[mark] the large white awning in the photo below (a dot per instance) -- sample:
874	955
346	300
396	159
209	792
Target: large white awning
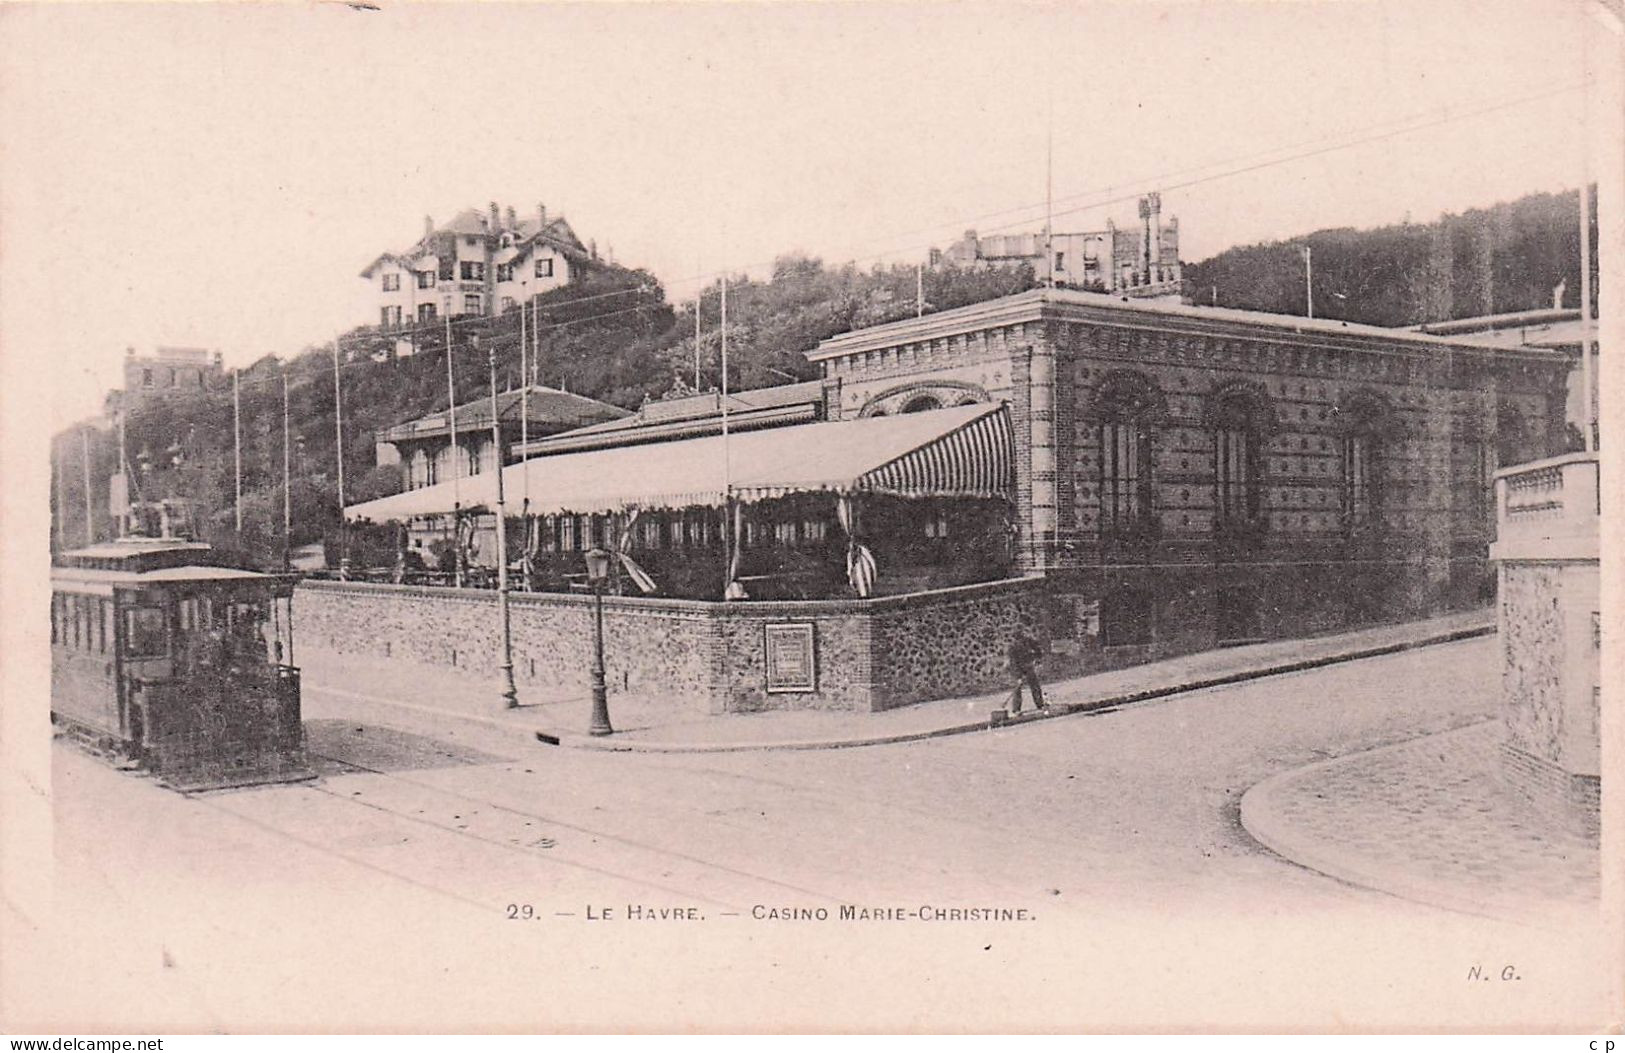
965	451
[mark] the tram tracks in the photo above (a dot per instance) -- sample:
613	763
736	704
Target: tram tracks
540	839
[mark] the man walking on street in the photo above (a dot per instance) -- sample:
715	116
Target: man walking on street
1024	655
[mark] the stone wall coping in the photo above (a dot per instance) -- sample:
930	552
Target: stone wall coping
1561	460
1038	305
746	608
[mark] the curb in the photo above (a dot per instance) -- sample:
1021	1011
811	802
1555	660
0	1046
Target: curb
1264	822
1055	709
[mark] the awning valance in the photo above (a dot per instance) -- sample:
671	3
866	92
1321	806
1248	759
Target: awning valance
965	451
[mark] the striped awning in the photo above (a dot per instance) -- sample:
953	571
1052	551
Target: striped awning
974	460
964	451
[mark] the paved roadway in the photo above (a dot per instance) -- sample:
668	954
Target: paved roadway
382	894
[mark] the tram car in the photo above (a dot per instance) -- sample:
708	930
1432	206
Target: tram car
165	661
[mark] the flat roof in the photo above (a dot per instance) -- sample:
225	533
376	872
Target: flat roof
1029	306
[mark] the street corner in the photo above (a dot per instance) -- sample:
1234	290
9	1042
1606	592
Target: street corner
1426	820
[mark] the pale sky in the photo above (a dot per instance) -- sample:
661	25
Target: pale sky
217	175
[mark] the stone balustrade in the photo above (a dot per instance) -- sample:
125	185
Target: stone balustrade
1549	621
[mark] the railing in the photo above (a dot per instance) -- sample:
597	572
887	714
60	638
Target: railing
1548	509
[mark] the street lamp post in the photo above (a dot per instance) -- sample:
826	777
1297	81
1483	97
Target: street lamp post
597	574
510	693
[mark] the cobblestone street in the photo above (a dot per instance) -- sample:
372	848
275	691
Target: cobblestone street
1116	832
1430	820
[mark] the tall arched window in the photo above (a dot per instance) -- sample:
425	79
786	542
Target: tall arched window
1238	459
1127	406
1365	421
1359	470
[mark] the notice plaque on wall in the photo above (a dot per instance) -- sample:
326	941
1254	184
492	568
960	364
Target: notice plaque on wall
792	661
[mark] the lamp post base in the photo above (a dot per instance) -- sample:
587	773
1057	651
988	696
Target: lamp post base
600	711
510	692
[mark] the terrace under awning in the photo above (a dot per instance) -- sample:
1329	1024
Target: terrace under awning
964	451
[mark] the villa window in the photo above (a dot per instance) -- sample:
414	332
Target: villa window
544	267
472	303
504	272
425	279
390	316
392	282
425	312
472	271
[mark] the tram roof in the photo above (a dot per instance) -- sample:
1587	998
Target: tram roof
131	547
102	581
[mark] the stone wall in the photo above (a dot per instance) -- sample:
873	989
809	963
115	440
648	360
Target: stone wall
1550	629
706	657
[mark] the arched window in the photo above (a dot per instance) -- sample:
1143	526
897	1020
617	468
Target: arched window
1127	406
1365	420
919	404
1359	477
1238	468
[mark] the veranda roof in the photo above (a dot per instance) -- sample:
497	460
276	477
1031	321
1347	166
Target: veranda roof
965	451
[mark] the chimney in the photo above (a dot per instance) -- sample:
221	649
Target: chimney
541	214
1145	237
513	223
496	218
1156	230
428	226
592	247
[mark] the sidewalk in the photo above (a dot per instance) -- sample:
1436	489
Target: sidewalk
562	718
1429	821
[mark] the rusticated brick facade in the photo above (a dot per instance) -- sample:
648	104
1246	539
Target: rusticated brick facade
705	657
1437	419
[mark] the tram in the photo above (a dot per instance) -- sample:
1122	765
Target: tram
166	662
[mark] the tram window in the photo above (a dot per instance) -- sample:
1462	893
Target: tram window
144	632
53	618
78	622
108	633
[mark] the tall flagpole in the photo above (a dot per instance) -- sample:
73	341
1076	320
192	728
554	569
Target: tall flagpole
338	429
919	290
456	465
237	439
699	299
287	475
1588	377
1049	193
90	514
524	408
510	693
727	465
60	463
1309	278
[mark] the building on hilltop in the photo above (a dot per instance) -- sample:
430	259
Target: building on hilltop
166	373
478	264
1127	262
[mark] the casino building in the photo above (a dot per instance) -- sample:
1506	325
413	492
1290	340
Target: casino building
1129	478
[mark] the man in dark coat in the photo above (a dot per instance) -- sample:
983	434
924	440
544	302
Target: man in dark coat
1024	655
